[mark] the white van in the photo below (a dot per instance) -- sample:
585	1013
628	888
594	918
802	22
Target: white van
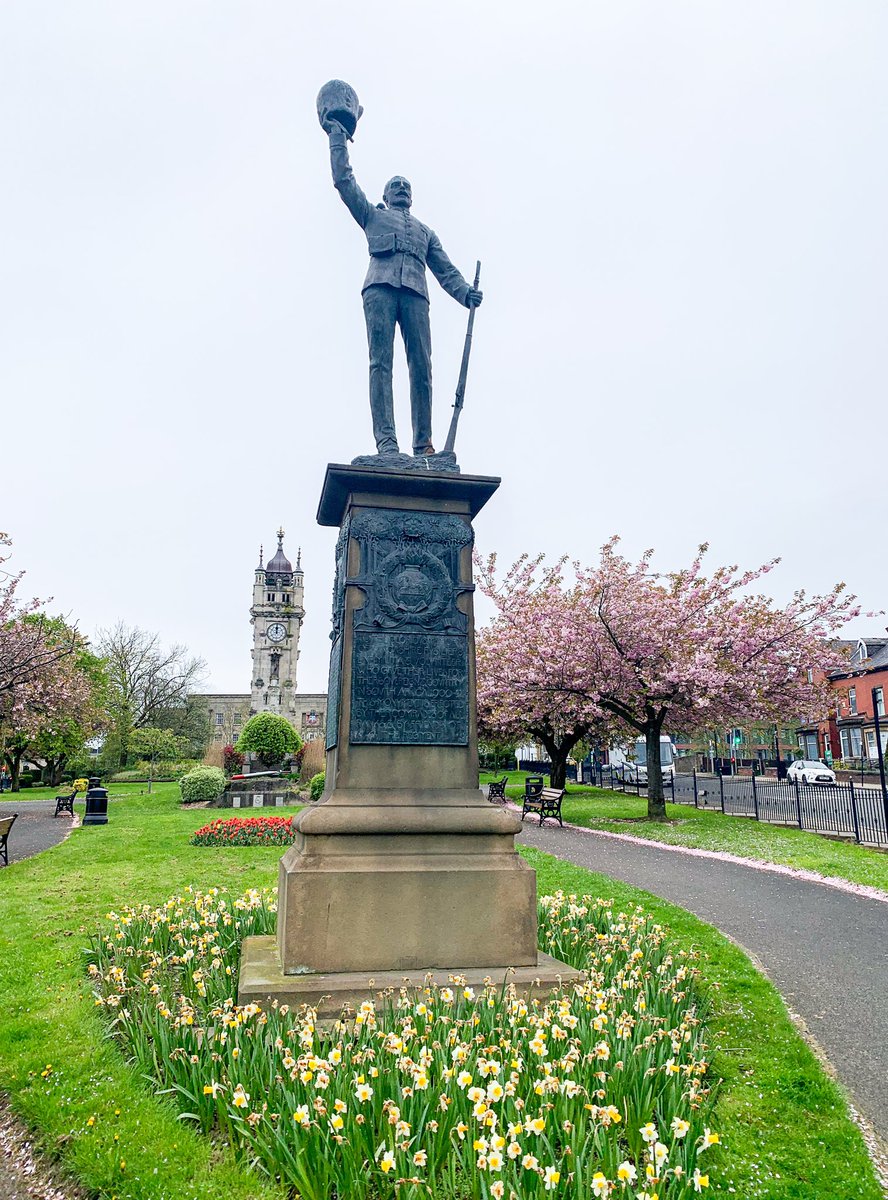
630	760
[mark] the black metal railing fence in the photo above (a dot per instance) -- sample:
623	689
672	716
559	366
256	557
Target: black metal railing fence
837	810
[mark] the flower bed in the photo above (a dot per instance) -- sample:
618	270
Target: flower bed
600	1091
245	831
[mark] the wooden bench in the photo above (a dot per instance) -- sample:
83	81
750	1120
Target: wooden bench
496	792
65	804
547	803
6	824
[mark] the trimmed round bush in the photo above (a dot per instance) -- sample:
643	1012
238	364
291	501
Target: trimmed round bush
316	787
269	737
203	783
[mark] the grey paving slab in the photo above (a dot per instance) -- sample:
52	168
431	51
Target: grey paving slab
36	828
825	950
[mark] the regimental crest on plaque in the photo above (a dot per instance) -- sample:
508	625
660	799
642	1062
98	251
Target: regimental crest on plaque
413	588
410	570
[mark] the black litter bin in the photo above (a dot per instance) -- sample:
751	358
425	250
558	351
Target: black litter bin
96	804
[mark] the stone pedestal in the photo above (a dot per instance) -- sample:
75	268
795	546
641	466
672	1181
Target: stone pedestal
402	868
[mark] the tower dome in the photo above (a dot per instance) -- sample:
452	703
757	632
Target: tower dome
280	564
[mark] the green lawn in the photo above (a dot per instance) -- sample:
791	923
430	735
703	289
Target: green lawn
777	1112
64	789
620	812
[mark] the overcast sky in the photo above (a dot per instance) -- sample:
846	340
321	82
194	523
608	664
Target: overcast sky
681	213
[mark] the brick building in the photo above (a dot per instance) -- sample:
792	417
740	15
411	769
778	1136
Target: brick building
849	732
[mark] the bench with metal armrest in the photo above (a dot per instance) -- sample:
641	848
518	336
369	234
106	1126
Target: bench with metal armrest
496	791
546	803
65	804
6	824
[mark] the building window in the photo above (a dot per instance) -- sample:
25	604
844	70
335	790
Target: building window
851	743
880	702
237	718
270	596
852	701
286	597
220	717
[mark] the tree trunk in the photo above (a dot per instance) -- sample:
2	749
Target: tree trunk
14	762
54	769
558	774
559	752
656	798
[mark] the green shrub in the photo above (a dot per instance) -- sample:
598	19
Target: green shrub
202	783
269	737
317	785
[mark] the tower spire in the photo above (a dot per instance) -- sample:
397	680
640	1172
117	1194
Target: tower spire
299	559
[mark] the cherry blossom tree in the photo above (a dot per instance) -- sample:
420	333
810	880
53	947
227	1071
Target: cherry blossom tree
29	648
41	687
530	677
681	649
46	716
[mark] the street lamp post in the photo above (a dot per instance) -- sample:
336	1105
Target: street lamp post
777	749
881	755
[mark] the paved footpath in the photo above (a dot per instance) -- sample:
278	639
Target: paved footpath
36	828
825	950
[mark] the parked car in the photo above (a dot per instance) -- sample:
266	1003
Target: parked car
808	770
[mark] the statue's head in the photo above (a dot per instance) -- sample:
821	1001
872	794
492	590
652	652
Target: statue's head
398	193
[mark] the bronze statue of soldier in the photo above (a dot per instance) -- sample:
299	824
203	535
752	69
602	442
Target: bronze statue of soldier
394	291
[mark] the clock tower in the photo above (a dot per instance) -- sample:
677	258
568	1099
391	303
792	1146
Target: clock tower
276	616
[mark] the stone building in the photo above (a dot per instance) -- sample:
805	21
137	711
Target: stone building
276	616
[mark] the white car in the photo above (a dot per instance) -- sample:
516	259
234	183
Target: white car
807	770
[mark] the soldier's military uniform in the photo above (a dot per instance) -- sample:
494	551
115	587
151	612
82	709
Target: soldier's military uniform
395	292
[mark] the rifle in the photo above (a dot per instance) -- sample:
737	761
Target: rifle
463	371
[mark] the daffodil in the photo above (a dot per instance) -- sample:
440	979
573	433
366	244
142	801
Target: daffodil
626	1172
551	1177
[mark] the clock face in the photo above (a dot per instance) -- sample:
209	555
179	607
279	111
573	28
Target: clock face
276	632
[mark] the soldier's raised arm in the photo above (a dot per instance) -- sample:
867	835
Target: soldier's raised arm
343	177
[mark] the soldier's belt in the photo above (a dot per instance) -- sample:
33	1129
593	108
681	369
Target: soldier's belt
390	243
